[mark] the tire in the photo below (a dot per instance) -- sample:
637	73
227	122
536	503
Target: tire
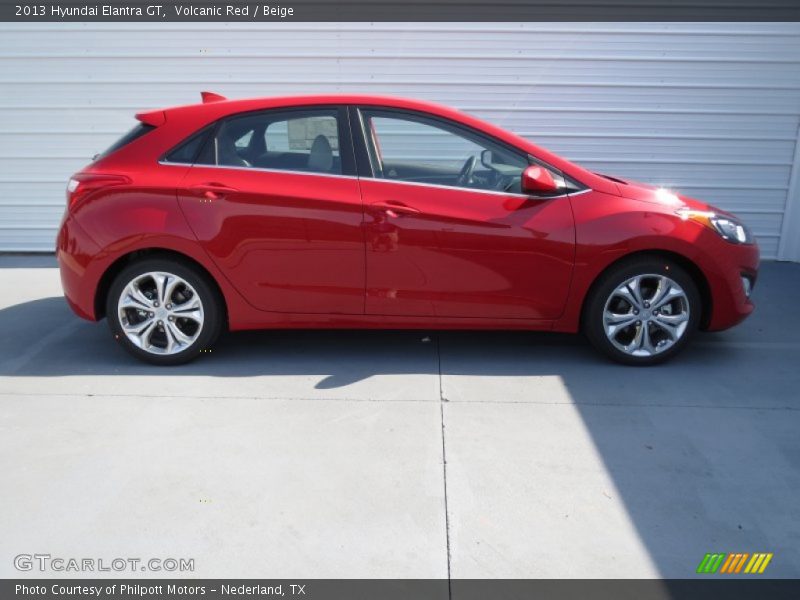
170	332
645	328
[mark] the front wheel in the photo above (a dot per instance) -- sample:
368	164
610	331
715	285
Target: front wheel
642	312
163	311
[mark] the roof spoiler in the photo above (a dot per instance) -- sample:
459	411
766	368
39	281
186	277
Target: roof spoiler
211	97
159	117
152	117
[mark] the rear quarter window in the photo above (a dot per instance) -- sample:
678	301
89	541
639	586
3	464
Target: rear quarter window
186	152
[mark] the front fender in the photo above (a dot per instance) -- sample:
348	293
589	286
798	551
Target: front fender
611	228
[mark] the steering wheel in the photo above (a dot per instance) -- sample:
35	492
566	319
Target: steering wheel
465	176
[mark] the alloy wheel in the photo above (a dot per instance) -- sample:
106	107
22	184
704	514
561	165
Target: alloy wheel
646	315
160	313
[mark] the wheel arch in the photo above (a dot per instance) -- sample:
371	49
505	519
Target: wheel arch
685	263
104	284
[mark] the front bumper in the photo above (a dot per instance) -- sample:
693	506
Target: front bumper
730	302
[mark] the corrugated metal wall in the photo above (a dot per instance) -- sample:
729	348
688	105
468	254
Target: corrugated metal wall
710	109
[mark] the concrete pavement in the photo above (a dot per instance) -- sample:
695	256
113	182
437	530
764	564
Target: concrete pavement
379	454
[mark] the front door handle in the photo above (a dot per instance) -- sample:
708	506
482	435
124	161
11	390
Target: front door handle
212	190
395	208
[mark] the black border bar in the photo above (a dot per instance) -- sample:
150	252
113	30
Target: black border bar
398	10
730	588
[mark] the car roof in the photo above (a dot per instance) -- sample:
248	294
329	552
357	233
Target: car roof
215	103
215	107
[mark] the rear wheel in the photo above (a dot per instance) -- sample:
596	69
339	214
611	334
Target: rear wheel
163	311
642	312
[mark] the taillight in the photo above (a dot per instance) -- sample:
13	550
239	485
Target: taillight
82	184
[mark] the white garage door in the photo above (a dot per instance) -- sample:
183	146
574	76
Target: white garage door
709	109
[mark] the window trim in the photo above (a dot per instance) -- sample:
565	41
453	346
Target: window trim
261	170
441	186
365	156
360	148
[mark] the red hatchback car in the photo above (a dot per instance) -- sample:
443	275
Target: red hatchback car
363	211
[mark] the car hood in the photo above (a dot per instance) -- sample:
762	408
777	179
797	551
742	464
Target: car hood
666	198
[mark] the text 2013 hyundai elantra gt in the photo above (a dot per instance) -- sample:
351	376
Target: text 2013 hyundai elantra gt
362	211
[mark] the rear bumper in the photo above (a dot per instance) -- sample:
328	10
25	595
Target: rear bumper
730	304
76	254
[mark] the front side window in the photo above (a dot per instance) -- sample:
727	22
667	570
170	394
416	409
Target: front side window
297	140
415	149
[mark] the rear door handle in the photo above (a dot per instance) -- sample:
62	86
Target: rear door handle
395	208
212	190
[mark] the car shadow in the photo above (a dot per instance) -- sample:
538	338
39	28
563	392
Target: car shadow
42	338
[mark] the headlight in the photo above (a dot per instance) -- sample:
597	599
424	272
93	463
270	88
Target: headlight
728	228
731	229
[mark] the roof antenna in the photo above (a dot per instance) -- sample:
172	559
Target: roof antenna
211	97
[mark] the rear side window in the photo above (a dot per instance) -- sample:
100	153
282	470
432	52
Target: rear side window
134	134
303	140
